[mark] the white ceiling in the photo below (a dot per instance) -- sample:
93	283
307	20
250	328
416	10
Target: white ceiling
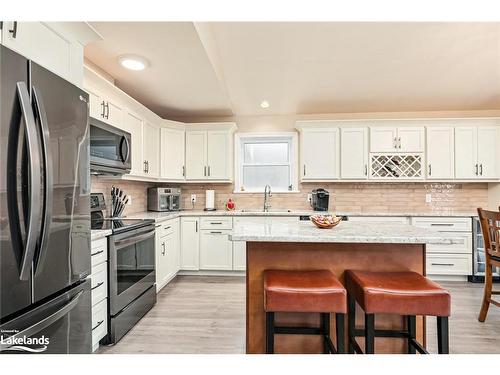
302	68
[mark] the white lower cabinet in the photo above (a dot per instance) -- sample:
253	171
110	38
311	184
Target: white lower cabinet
216	250
239	256
190	244
167	252
99	290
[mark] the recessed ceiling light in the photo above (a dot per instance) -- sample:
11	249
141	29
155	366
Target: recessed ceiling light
264	104
133	62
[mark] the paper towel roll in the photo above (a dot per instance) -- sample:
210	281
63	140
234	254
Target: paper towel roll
210	199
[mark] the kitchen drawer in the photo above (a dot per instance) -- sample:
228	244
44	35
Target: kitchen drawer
465	248
99	251
216	222
449	264
99	283
99	322
444	224
167	228
379	219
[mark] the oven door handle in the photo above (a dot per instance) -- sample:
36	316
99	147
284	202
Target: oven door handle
134	239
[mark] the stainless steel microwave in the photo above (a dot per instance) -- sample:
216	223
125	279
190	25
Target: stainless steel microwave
164	199
110	149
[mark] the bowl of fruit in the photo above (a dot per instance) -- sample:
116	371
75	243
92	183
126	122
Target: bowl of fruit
325	221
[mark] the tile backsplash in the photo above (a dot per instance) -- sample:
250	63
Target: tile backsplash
346	197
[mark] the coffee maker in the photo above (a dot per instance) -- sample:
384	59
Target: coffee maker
320	199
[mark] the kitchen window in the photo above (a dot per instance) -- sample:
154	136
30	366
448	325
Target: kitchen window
266	160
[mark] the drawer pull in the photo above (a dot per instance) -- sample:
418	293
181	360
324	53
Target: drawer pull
98	285
97	253
443	264
218	223
98	324
215	232
167	227
442	224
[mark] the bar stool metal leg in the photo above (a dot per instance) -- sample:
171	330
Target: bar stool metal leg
369	333
411	322
325	326
340	332
270	332
443	339
351	323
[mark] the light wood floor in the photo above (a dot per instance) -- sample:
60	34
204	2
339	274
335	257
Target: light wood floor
207	315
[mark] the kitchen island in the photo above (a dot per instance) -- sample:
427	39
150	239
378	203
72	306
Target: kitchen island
371	246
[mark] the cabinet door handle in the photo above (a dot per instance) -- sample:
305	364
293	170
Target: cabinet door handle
147	166
430	170
395	142
209	171
163	251
481	169
304	169
477	170
98	285
144	166
183	171
399	142
443	264
107	110
205	171
366	170
13	31
103	109
98	324
97	253
196	226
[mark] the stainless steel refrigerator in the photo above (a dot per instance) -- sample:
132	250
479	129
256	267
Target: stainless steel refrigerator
45	301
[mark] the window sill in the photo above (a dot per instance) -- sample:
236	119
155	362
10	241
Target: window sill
272	192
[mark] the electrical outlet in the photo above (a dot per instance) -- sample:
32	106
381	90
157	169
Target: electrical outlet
309	197
428	198
193	198
129	200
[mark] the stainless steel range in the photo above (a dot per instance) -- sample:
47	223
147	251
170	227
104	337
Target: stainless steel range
131	268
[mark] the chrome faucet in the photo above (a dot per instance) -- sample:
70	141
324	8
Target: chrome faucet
267	195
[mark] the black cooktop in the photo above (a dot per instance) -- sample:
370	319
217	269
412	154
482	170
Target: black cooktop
120	225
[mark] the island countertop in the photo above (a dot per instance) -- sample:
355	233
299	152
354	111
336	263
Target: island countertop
344	232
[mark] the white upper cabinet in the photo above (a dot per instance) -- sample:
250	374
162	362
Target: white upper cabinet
397	139
49	44
172	154
196	155
488	154
319	154
383	139
440	152
354	153
133	124
218	155
209	152
476	152
151	149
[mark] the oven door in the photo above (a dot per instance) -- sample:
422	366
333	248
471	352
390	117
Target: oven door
131	266
110	148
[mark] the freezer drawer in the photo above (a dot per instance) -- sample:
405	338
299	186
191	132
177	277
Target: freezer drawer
60	326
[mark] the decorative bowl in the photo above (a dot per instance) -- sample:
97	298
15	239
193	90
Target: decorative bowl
325	221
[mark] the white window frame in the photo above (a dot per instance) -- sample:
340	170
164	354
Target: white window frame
241	138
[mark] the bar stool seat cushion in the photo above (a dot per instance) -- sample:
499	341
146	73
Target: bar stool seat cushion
403	293
303	291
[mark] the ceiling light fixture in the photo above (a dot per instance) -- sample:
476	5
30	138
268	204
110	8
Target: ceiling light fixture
264	104
133	62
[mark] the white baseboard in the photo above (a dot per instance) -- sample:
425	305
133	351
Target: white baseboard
211	273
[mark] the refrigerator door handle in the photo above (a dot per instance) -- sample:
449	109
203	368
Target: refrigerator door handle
48	178
37	327
34	180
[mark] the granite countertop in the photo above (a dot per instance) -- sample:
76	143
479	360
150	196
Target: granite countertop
96	234
161	216
345	232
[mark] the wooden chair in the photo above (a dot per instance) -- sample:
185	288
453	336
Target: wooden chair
490	226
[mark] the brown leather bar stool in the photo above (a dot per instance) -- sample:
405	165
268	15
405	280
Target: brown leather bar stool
403	293
317	291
